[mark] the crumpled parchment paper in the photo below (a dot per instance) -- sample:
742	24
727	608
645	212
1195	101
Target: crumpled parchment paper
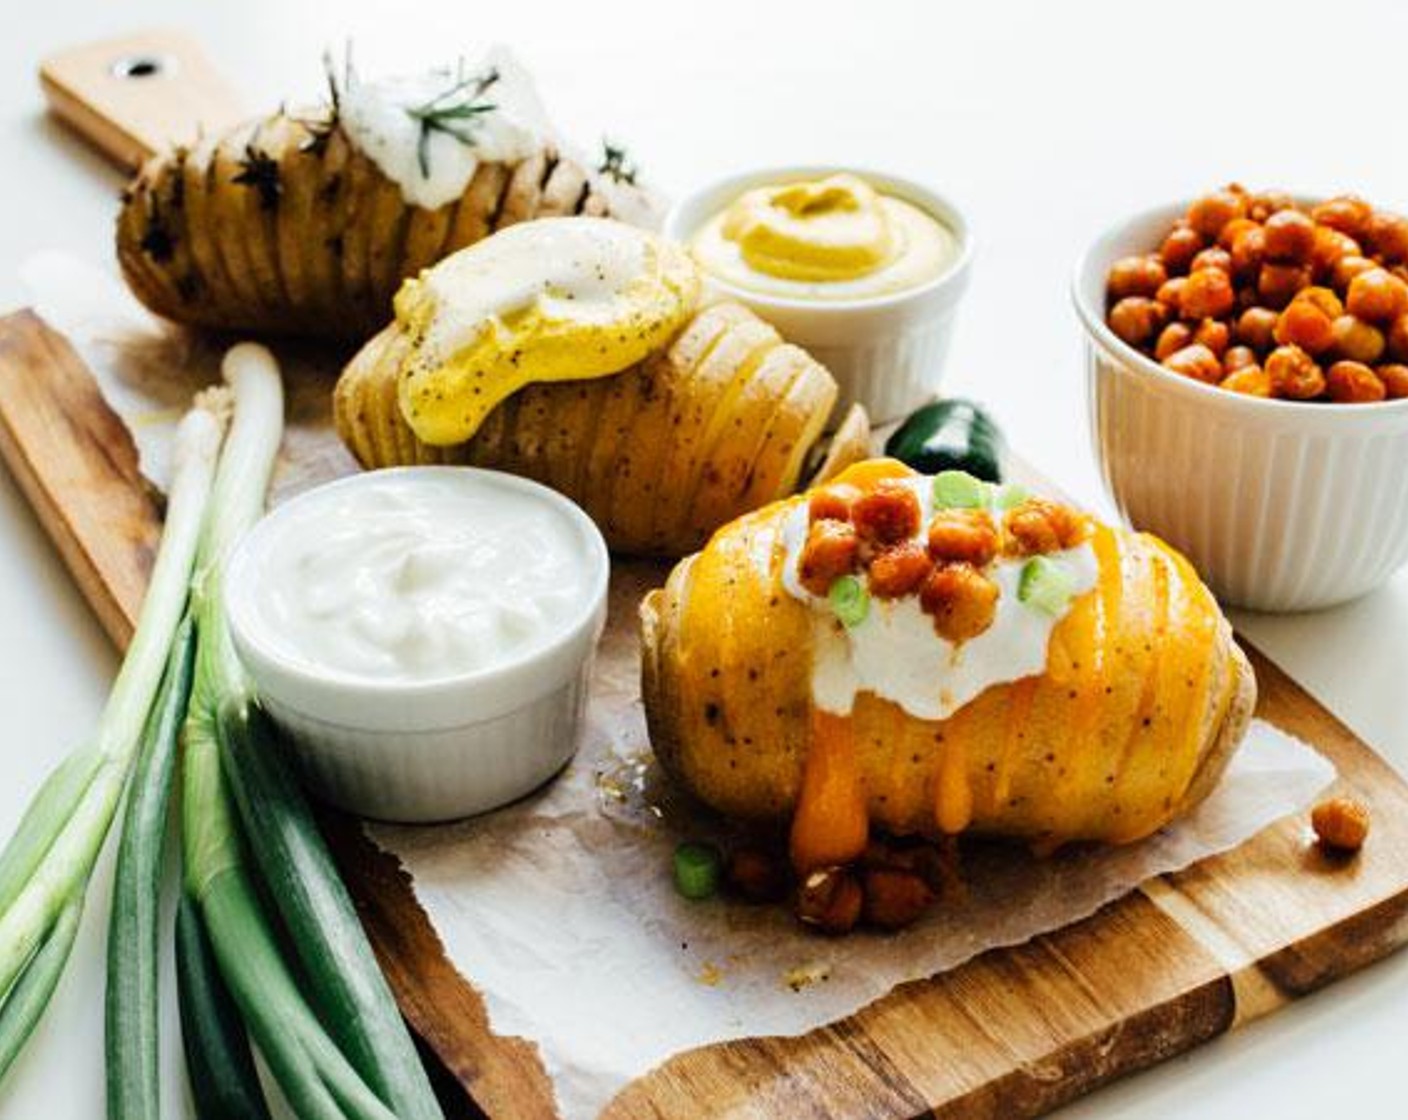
560	909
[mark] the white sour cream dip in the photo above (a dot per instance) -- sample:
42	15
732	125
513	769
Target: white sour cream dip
895	652
420	575
386	119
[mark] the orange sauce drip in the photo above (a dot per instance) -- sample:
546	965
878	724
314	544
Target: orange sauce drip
832	822
953	794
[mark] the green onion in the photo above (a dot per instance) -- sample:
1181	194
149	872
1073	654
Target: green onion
45	869
320	1080
697	869
849	600
1046	585
959	490
219	1063
347	985
133	1079
1009	496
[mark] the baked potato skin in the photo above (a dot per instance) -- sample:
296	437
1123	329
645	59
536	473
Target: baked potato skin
1144	698
659	455
282	226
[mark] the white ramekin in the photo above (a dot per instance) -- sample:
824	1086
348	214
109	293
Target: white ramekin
886	352
424	751
1281	505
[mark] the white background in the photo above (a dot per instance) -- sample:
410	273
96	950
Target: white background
1044	120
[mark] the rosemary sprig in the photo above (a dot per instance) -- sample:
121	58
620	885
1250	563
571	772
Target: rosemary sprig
455	111
617	164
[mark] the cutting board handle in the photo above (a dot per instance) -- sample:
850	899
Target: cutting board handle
135	95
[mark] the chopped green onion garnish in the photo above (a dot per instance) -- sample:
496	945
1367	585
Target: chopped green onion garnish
1009	496
959	490
697	870
1046	585
850	600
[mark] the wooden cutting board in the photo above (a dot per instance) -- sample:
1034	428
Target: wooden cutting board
1012	1034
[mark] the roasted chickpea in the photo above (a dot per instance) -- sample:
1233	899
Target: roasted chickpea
1217	258
1346	213
1395	379
1377	295
1234	229
1256	327
1357	340
1294	374
1323	298
830	900
1208	294
1353	383
1251	381
1170	294
832	503
961	600
1263	204
1179	248
1387	237
1172	338
1135	276
1238	357
1137	319
1347	268
1304	324
1195	361
1210	213
1277	284
899	569
1290	237
968	535
1331	247
887	514
1398	338
1038	526
1214	334
894	898
1248	252
831	551
1341	824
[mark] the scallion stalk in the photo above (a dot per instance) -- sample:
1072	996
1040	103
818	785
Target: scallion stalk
44	871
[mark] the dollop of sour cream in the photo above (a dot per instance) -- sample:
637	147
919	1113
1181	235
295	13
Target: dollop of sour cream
415	578
386	119
895	652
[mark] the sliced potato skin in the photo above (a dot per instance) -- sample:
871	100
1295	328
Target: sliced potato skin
612	444
1109	744
282	226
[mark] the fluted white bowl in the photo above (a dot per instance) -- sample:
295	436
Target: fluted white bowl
433	750
1281	505
886	352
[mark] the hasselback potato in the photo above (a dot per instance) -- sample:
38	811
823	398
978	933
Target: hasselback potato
721	421
283	225
1142	700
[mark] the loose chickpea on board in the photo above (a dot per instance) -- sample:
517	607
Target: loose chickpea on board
1291	292
1341	824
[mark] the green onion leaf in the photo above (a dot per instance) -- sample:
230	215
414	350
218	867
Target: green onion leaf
697	869
1009	496
1046	585
959	490
850	600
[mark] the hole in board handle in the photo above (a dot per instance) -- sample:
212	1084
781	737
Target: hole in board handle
139	66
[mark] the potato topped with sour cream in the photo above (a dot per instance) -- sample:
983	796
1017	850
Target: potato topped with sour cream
552	300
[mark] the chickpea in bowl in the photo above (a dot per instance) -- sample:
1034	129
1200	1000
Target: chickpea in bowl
1228	452
1259	295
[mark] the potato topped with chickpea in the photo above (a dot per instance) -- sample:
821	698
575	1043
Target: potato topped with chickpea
1258	295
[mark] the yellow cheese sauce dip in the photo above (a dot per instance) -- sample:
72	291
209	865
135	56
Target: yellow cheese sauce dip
836	238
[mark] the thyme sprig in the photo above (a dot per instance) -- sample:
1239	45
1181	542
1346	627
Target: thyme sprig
617	164
456	111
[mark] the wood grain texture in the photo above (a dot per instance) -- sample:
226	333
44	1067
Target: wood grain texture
1011	1034
131	96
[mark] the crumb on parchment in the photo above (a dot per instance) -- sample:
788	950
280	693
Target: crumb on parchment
805	975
